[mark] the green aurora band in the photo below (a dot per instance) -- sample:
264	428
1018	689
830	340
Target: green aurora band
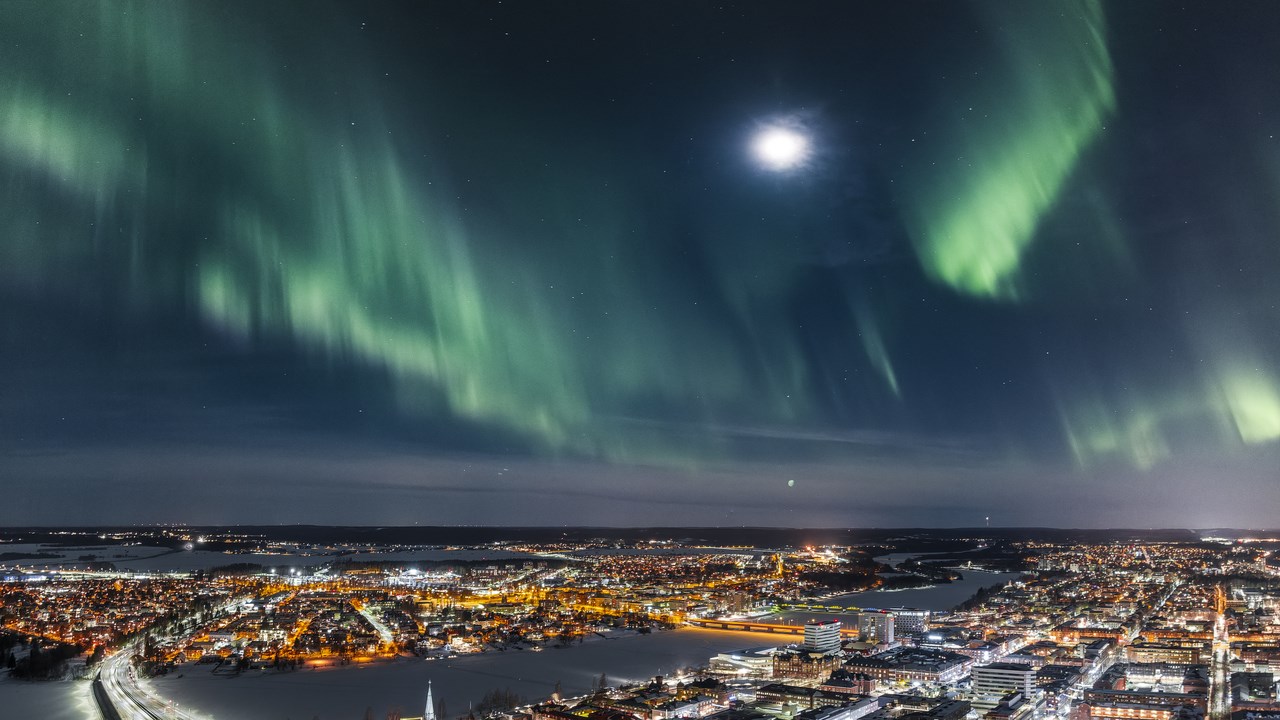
1237	401
311	230
977	193
212	179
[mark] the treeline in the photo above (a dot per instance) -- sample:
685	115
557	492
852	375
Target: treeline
496	701
7	645
846	581
41	662
998	557
12	556
936	571
230	570
978	598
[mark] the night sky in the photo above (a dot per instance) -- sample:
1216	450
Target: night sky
635	263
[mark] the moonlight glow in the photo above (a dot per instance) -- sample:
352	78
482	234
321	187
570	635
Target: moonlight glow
296	262
779	148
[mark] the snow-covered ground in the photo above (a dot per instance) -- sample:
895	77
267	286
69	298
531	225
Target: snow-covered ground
437	555
143	558
344	693
70	700
69	554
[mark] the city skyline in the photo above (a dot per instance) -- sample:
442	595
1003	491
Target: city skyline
837	625
823	265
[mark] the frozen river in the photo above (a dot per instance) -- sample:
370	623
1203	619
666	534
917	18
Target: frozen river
345	693
338	693
936	597
142	558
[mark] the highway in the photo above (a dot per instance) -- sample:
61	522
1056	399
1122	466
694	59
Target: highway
1220	692
120	694
131	700
105	706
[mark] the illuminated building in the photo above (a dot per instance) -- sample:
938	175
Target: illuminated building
910	620
804	665
822	636
1013	706
912	665
1163	653
808	697
755	662
876	626
992	682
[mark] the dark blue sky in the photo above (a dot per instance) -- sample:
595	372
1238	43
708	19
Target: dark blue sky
521	263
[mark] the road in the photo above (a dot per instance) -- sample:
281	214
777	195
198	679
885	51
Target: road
130	697
1220	692
384	632
105	706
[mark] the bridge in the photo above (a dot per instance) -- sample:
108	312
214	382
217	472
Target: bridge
748	626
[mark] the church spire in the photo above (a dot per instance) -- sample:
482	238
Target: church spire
430	712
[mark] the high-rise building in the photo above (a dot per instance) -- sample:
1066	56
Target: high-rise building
875	626
822	636
910	620
994	681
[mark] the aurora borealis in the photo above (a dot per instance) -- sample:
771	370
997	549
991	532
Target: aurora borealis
497	263
1013	155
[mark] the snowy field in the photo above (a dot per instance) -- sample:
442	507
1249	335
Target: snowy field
345	693
64	554
72	700
141	558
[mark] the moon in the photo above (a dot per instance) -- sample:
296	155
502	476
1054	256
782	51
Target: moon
780	148
791	483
